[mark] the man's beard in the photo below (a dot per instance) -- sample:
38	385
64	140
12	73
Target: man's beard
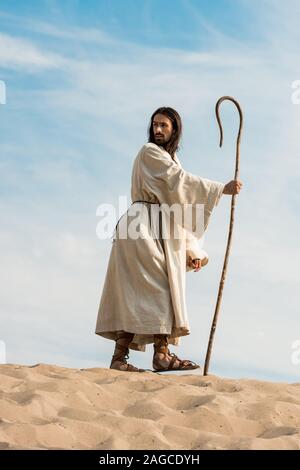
161	140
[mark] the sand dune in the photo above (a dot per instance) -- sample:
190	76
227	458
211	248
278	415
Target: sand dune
45	406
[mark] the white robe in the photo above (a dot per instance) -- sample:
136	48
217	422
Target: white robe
144	287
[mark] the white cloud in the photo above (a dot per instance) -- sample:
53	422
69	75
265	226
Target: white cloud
51	30
21	53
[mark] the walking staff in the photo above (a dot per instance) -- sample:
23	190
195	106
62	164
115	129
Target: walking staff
224	270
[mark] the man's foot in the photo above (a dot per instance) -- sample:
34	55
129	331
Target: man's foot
164	360
121	354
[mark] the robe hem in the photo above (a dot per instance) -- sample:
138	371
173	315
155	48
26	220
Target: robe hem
140	340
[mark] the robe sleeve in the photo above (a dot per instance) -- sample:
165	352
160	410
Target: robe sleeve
172	184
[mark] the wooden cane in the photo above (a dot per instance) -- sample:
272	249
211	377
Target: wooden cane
223	275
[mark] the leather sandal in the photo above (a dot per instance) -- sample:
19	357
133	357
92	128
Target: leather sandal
161	347
121	354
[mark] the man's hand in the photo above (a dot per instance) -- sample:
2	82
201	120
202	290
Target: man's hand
233	187
194	263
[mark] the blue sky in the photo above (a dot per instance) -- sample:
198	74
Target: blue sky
151	22
82	79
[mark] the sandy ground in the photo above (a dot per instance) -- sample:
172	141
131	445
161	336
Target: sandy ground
46	406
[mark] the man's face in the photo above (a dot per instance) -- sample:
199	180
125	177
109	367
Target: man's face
162	129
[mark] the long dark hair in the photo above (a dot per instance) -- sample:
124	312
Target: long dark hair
173	145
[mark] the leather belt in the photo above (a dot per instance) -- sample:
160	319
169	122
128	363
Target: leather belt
147	202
